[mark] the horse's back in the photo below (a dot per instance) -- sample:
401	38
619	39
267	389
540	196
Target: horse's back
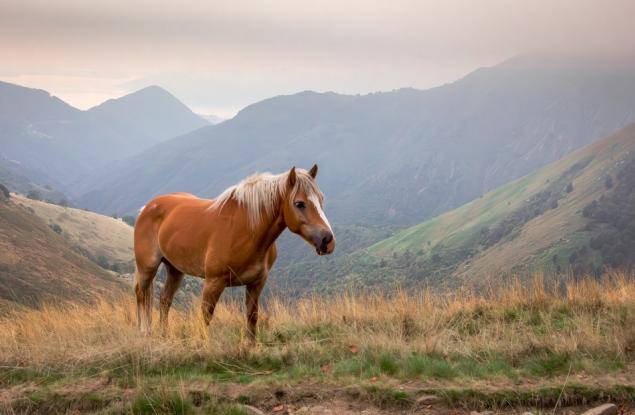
155	213
162	205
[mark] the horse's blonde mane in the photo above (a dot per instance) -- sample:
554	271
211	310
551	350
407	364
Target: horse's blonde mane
260	192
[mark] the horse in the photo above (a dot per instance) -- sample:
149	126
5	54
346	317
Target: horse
229	241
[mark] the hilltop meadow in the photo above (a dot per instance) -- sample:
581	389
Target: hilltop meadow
537	345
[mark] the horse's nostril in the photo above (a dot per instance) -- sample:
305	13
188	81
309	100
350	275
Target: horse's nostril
327	239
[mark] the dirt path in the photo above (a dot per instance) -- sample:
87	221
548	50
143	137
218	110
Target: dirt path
101	395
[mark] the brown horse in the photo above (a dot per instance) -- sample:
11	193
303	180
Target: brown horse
229	241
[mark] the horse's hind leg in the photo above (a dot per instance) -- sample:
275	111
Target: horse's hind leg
172	284
144	290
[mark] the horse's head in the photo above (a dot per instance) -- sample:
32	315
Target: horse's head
303	210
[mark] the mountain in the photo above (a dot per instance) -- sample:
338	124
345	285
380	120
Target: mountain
37	265
145	118
55	143
576	214
35	130
18	179
398	157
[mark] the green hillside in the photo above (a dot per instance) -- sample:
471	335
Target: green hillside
37	265
571	214
534	223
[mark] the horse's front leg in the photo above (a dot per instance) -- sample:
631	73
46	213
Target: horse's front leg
212	289
252	294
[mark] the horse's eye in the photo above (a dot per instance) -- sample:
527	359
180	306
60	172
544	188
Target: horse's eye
299	204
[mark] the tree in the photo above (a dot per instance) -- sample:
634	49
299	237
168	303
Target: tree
34	194
4	191
554	204
102	261
130	220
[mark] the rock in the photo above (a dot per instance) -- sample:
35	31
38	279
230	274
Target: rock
252	410
527	413
606	409
427	400
482	413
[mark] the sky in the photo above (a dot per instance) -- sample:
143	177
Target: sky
220	56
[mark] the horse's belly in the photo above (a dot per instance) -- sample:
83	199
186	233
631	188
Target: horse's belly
187	266
247	276
184	255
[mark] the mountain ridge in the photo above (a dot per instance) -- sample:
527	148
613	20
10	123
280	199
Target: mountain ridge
49	137
394	157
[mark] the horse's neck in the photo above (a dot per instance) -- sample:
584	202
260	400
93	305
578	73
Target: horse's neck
266	233
270	232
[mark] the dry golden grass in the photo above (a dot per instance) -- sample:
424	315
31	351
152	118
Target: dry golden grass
99	235
512	345
586	327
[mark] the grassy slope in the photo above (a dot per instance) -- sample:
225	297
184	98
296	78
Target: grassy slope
554	232
37	265
99	235
383	352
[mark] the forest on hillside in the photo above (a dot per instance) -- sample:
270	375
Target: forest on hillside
612	223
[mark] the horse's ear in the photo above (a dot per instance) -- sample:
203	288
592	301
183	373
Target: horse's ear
313	171
291	179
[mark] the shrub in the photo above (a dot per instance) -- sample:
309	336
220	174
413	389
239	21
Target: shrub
56	228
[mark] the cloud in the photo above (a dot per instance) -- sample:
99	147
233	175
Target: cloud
238	52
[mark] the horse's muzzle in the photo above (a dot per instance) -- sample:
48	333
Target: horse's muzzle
324	243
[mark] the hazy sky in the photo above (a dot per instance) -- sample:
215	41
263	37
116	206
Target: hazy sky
220	56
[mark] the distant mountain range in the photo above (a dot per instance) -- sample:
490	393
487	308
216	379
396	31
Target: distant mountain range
396	157
393	166
51	142
213	119
575	215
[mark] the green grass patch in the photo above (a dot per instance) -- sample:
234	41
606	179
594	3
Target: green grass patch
548	365
161	402
18	375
